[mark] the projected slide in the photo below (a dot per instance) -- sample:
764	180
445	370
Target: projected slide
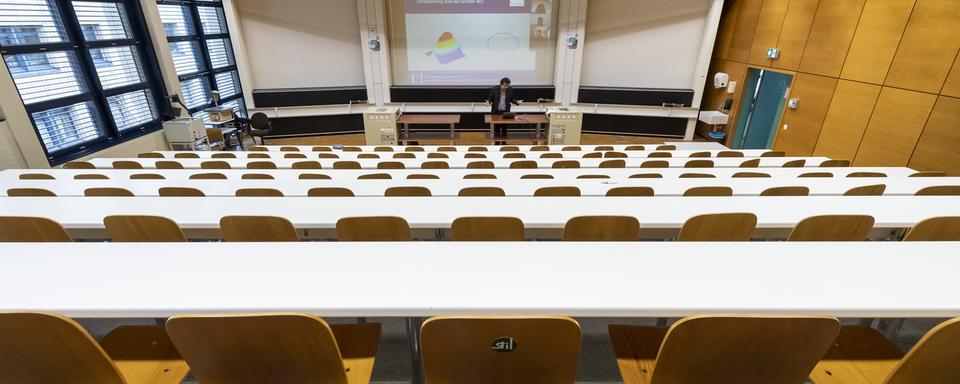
458	42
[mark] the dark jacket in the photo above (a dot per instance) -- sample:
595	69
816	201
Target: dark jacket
494	99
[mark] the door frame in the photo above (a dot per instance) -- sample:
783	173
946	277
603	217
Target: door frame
732	129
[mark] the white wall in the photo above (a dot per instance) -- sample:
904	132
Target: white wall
643	43
301	43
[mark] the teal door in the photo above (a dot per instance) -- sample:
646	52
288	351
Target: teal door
763	100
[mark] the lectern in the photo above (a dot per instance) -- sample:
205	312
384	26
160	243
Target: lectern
565	126
380	125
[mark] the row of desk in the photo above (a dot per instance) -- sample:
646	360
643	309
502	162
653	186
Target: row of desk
680	145
571	155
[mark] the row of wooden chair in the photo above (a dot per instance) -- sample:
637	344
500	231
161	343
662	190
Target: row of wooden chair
442	155
710	227
299	348
504	148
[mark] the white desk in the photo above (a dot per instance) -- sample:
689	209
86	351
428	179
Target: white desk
767	162
680	145
569	155
512	187
865	279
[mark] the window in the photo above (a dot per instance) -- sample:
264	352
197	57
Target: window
82	72
202	54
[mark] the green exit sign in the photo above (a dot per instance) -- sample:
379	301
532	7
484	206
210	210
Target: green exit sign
773	53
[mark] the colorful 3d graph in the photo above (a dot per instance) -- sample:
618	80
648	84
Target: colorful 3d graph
447	49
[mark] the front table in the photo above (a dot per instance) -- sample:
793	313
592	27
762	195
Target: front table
537	119
407	120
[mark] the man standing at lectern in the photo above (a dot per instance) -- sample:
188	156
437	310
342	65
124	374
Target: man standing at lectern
500	99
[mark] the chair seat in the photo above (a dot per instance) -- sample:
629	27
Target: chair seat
144	354
636	349
358	348
861	355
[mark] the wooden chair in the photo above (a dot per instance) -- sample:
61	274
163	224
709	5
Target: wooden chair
935	229
146	176
208	176
257	148
474	149
613	164
723	349
786	191
215	164
566	164
257	229
329	192
414	149
536	177
602	228
816	174
261	165
666	148
752	163
258	192
449	149
509	148
729	154
551	155
539	148
48	348
774	154
139	229
307	165
407	192
751	175
593	155
180	192
314	176
481	192
864	356
404	155
346	165
126	164
374	228
866	174
630	192
833	228
635	148
289	149
929	174
186	155
480	176
655	164
30	192
708	192
107	192
700	154
582	177
699	164
557	192
615	155
150	155
321	149
480	165
294	156
223	155
698	176
655	155
352	149
835	164
646	176
383	149
940	190
31	230
867	190
275	348
514	155
474	156
795	164
523	164
327	156
503	350
375	176
422	176
258	156
602	148
390	165
575	148
168	165
90	176
36	176
436	155
79	165
256	176
719	227
487	229
434	165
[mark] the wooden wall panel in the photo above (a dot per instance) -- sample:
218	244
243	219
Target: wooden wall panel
804	123
713	98
793	34
830	36
744	30
882	23
952	86
939	145
928	47
894	128
728	21
847	119
768	31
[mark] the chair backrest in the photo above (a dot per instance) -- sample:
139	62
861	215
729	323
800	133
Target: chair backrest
373	228
575	148
866	174
698	176
593	177
306	165
929	174
257	148
407	191
935	229
774	154
474	156
154	229
708	192
261	165
208	176
631	191
79	165
487	229
833	228
147	176
752	163
557	191
165	164
933	360
593	155
47	348
186	155
475	149
321	149
551	155
260	120
479	176
523	164
655	164
257	229
314	176
150	155
646	176
481	192
258	192
602	228
539	148
447	149
390	165
666	148
30	192
375	176
613	164
741	349
786	191
635	148
537	177
940	190
346	164
414	149
514	155
816	174
289	149
729	154
719	227
215	164
566	164
480	165
352	149
699	164
224	155
835	164
330	192
107	192
509	148
795	164
615	155
180	192
126	164
700	154
434	165
90	176
404	155
603	148
31	230
659	155
256	176
422	176
294	156
867	190
258	156
504	350
437	155
36	176
751	175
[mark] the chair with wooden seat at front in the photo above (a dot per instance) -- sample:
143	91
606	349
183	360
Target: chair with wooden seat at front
437	155
404	155
816	174
258	192
557	192
794	164
321	149
602	228
566	164
699	164
666	148
422	176
539	148
21	229
833	228
536	177
940	190
551	155
514	155
630	192
569	148
471	149
700	154
615	155
314	176
503	350
186	155
867	190
616	163
835	164
30	192
289	149
147	176
127	164
523	164
259	156
414	149
730	154
935	229
150	155
141	229
383	149
180	192
723	349
79	165
719	227
509	148
861	355
91	176
294	156
107	192
215	164
480	165
261	165
487	229
655	164
225	155
346	164
309	164
49	348
375	176
168	165
751	175
330	192
786	191
603	148
275	348
698	176
752	163
407	191
257	229
867	174
587	177
208	176
929	174
482	192
479	176
373	228
434	165
390	165
593	155
36	176
646	176
451	149
655	155
774	154
708	192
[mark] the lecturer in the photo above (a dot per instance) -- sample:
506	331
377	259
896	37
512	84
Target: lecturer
499	101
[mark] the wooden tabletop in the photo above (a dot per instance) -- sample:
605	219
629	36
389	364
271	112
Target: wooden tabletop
520	119
429	119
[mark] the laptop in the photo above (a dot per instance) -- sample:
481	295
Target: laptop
509	115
